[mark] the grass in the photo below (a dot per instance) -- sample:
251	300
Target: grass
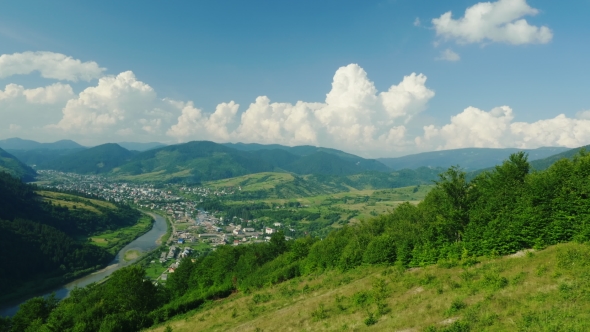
74	202
114	240
546	290
253	182
131	255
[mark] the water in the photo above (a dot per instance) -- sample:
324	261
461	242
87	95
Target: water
143	244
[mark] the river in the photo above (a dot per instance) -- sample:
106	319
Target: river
143	244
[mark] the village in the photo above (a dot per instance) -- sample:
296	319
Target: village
193	231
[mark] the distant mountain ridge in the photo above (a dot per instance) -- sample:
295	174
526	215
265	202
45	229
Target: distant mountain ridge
203	161
16	143
469	158
97	160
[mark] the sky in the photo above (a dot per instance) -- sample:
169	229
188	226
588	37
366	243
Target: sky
374	78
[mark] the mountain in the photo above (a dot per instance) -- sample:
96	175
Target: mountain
99	159
541	164
469	158
307	150
23	144
203	161
11	165
135	146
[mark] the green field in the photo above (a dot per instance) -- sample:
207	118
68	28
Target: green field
114	240
74	202
253	182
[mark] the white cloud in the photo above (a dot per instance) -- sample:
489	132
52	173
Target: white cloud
449	55
117	105
49	65
499	21
51	94
495	129
354	116
417	22
194	124
583	115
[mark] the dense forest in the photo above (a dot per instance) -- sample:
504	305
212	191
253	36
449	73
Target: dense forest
498	212
38	239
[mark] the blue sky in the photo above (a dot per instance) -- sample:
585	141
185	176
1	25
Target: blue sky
186	59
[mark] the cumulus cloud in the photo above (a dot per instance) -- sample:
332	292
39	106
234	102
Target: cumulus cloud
193	123
49	65
51	94
583	115
354	116
120	105
449	55
495	129
499	21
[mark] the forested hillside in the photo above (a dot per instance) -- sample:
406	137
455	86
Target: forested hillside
499	212
37	238
97	160
14	167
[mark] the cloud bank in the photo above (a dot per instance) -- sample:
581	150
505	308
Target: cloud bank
354	117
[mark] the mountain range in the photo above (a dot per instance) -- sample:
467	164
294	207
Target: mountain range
469	158
204	161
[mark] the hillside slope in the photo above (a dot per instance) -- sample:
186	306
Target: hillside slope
39	236
24	144
544	163
528	291
11	165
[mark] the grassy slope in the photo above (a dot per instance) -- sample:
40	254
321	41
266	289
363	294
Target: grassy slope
112	240
541	291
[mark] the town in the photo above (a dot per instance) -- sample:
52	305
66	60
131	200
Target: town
193	231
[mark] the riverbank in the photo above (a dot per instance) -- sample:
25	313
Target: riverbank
143	244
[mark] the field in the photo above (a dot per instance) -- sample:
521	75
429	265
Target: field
253	182
113	241
543	290
74	202
319	214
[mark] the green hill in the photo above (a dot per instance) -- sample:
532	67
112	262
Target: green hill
39	235
205	161
470	158
542	164
11	165
306	150
96	160
528	291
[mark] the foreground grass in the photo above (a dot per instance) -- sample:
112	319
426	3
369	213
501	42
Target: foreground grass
548	290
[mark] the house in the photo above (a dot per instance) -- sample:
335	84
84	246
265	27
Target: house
269	230
180	241
278	224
